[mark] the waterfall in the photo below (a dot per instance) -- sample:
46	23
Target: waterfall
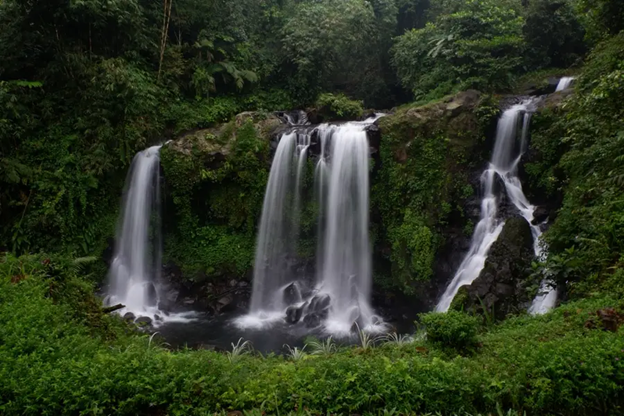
346	271
274	239
564	83
137	260
339	296
504	165
134	273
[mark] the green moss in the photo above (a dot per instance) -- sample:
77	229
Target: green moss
426	155
216	181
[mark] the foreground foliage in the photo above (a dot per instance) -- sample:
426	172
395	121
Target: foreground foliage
54	360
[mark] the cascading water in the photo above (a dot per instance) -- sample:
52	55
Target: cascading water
564	83
504	165
346	270
136	262
273	244
341	294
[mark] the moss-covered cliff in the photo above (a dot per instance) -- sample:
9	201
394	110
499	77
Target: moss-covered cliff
424	189
215	181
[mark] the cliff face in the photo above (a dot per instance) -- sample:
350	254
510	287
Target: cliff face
425	194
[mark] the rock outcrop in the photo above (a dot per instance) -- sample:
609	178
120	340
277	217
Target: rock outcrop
501	286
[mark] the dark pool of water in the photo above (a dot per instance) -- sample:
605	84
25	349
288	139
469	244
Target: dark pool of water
220	332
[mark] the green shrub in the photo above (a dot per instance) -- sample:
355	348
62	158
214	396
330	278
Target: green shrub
338	107
452	329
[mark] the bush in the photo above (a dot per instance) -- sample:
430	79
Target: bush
478	45
452	329
338	107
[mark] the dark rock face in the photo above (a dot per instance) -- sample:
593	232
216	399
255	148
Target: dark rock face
501	285
320	305
293	314
312	320
540	215
292	294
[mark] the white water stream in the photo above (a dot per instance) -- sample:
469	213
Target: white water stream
511	141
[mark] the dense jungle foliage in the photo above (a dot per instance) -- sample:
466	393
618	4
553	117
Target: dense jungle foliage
85	84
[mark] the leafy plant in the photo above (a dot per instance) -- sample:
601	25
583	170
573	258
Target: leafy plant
452	329
295	353
323	347
239	349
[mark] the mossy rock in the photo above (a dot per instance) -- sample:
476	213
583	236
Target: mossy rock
426	159
501	285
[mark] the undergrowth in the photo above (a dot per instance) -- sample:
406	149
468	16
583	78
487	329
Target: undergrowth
53	361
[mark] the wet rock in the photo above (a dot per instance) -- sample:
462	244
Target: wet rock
188	301
292	294
312	320
224	302
320	303
233	283
243	284
158	317
293	314
143	321
129	317
540	215
501	286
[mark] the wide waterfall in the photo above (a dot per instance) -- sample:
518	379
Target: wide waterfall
339	295
137	259
508	150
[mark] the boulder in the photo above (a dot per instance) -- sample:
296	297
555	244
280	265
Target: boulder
501	285
129	317
224	302
320	303
312	320
143	321
293	314
292	294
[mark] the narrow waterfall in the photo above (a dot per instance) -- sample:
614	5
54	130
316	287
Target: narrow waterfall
339	296
564	83
274	236
506	156
346	270
137	260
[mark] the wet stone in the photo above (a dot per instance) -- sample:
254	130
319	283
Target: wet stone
292	294
144	320
293	314
312	320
